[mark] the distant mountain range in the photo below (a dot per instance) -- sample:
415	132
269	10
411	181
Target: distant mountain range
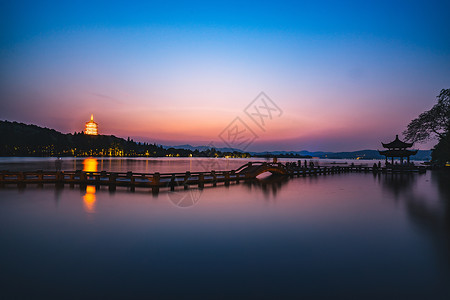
202	148
361	154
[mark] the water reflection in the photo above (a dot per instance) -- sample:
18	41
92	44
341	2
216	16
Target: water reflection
398	184
353	235
269	185
427	208
89	199
90	165
185	199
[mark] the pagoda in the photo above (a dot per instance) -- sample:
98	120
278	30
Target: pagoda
397	148
91	127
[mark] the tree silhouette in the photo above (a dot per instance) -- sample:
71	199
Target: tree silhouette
434	123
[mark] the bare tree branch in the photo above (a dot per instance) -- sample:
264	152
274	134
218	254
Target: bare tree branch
434	122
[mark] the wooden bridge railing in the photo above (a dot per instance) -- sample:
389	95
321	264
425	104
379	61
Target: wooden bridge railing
171	180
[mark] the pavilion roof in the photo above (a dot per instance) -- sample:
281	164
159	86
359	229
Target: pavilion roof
397	144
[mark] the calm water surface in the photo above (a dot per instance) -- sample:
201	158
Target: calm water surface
336	236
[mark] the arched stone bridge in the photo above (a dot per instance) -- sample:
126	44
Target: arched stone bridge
253	169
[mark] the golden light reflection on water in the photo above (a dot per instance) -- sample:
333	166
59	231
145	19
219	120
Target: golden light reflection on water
89	165
89	199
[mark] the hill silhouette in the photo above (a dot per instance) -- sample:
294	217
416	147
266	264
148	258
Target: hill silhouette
19	139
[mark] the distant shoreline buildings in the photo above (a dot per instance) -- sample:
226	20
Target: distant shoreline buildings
91	128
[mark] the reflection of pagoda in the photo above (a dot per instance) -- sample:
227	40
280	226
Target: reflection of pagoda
91	127
397	148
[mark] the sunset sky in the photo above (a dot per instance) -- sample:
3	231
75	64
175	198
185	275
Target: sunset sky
345	74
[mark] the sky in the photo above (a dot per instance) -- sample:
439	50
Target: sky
336	75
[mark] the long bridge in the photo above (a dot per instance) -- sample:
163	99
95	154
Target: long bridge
156	180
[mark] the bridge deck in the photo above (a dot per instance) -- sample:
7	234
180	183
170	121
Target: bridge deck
155	181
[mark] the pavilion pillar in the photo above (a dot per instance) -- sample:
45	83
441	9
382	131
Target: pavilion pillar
392	160
408	160
401	160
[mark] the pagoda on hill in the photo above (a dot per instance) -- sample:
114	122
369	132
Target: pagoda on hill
91	127
397	148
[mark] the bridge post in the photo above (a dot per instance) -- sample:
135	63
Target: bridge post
201	180
21	180
227	178
71	180
132	183
213	174
97	181
83	178
21	176
59	178
172	182
186	179
111	182
40	179
155	182
236	176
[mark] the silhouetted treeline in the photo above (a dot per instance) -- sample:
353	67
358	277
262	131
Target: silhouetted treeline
18	139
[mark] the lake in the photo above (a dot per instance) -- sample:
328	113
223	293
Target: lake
352	236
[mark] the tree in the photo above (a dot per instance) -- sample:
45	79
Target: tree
434	123
441	152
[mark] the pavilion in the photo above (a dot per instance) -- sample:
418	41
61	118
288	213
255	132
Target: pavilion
397	148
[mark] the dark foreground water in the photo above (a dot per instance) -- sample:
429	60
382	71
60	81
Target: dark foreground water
344	236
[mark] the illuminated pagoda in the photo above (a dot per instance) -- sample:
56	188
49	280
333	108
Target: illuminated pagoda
91	127
397	148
